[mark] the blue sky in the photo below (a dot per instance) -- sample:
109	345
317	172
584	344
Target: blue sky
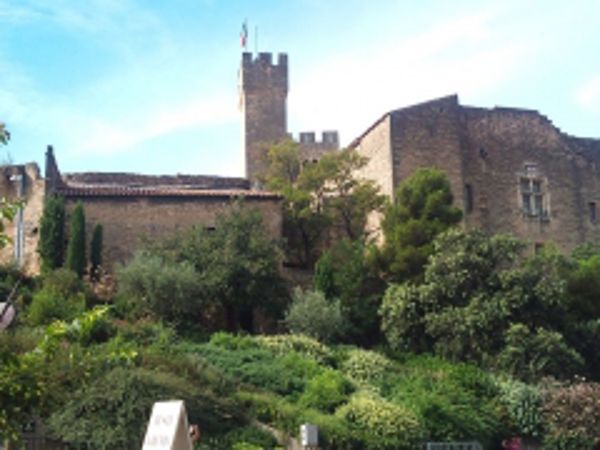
151	86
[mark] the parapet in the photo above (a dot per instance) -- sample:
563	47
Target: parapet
260	72
329	139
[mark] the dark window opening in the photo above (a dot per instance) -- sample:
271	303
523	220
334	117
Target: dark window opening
538	247
592	210
468	198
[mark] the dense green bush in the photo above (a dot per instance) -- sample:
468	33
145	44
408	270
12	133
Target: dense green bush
304	345
326	391
523	403
313	315
112	412
453	401
366	367
150	285
287	374
61	297
345	273
383	425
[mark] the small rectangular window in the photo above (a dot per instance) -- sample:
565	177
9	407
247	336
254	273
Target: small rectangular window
537	205
525	185
536	186
592	209
468	198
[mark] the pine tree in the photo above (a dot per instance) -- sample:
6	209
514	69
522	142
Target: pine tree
76	260
52	231
96	251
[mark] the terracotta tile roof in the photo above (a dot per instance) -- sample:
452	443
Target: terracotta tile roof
124	191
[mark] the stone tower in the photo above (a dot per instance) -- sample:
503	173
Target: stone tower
263	92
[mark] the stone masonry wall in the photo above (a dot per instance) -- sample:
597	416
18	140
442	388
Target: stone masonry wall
33	196
504	146
128	221
491	151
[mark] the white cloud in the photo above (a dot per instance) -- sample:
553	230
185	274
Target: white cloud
459	56
588	94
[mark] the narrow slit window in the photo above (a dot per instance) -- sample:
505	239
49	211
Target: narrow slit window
593	214
468	198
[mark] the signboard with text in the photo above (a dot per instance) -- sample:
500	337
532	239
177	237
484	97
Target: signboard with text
168	427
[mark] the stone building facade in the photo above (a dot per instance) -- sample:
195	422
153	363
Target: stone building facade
511	170
132	208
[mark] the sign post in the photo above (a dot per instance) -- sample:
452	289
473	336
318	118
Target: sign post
168	427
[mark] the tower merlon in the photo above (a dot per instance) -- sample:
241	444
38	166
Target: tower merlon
259	72
329	138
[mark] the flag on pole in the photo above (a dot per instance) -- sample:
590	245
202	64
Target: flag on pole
244	35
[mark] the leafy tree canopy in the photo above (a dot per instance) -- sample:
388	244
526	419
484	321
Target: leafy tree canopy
422	209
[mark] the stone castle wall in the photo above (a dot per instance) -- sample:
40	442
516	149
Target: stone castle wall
128	222
488	156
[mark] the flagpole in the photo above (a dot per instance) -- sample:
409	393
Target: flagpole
256	39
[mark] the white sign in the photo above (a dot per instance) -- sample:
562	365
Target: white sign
168	427
309	435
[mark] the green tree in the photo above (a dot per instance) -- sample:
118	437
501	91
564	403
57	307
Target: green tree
320	199
238	265
165	290
52	229
422	209
478	299
311	314
96	251
344	272
76	258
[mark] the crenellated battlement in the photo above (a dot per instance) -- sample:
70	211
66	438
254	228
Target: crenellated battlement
259	71
329	139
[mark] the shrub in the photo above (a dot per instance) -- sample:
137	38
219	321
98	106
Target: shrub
530	354
384	425
112	412
149	285
326	391
453	401
366	367
304	345
572	415
523	403
286	374
76	258
313	315
61	298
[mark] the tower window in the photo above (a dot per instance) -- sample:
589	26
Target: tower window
592	211
468	198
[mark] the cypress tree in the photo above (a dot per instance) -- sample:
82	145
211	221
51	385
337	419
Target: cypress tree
52	234
76	247
96	251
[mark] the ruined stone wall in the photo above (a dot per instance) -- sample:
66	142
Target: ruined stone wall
263	91
504	146
32	193
128	221
486	154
